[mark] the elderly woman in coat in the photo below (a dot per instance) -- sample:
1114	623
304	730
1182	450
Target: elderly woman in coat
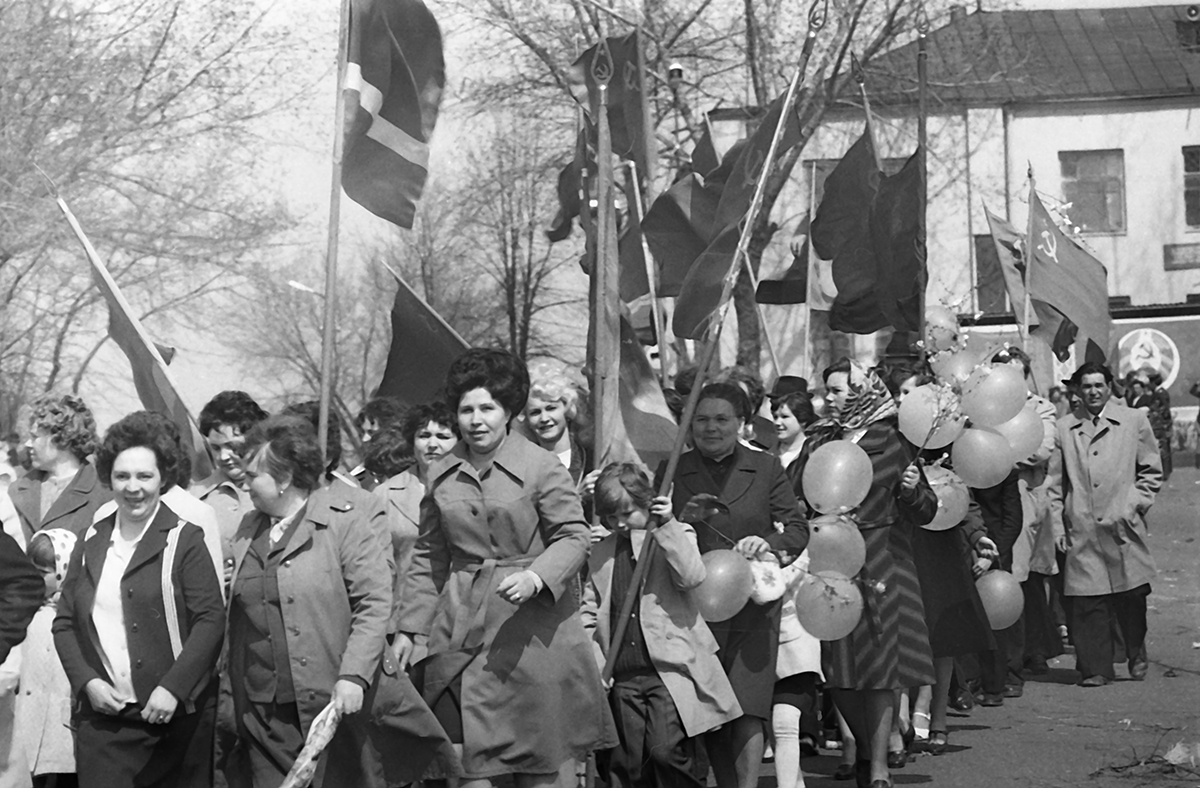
140	622
510	672
308	615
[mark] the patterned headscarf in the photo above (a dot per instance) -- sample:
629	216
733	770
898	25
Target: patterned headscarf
869	401
63	542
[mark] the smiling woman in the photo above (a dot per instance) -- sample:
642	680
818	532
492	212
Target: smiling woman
139	630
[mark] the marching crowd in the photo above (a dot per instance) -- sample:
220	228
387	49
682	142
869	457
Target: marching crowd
452	608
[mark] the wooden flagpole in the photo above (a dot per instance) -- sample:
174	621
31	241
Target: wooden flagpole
922	138
329	330
1028	255
817	16
605	298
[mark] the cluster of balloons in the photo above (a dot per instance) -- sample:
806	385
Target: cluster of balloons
727	585
980	408
837	477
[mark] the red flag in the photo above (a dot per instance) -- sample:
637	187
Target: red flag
394	81
742	179
423	346
626	112
1064	281
1008	243
679	227
633	282
700	295
899	243
704	155
648	422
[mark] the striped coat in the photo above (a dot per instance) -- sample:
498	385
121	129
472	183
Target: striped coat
889	649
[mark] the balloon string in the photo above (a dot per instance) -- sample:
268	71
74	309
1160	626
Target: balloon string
717	531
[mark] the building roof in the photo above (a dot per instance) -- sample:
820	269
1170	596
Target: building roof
993	58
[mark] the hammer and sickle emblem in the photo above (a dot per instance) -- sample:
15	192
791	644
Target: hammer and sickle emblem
631	75
1049	245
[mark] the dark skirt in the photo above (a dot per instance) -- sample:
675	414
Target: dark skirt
123	751
748	644
954	614
889	648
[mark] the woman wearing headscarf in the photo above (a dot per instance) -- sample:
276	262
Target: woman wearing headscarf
510	671
889	648
140	622
754	495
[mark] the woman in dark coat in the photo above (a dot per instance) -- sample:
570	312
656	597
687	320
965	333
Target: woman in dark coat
510	672
889	649
140	644
757	495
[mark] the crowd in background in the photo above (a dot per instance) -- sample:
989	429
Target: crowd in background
456	595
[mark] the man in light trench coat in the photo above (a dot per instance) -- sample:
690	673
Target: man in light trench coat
1103	479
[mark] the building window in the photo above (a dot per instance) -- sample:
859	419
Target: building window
1191	185
991	296
1094	184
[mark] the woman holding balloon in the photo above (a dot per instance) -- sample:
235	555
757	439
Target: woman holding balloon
889	647
755	512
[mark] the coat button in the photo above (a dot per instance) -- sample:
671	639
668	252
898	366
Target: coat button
288	562
312	696
138	664
129	592
295	630
304	660
133	627
291	600
474	510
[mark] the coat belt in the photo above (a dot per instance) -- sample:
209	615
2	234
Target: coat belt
471	616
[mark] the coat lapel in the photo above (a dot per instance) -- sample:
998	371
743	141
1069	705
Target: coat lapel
154	540
242	539
95	549
313	517
75	496
25	494
741	476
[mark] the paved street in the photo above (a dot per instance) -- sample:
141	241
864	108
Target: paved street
1061	735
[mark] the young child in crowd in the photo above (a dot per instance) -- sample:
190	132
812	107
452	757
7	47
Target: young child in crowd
44	703
668	686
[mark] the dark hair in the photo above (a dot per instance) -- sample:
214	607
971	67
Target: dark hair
1092	368
437	411
311	411
290	449
841	365
1009	354
41	552
1156	378
235	408
895	375
388	452
799	404
748	382
68	421
685	378
384	411
617	480
152	431
731	393
498	372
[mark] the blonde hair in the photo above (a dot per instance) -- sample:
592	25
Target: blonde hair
550	382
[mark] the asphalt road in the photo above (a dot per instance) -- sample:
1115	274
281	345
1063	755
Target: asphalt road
1060	734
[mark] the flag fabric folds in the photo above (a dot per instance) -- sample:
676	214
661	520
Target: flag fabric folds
394	82
792	287
700	294
647	421
626	113
738	190
1008	243
1067	285
423	346
678	228
900	245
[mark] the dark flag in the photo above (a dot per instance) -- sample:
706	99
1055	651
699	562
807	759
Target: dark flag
632	281
1008	244
678	228
423	346
572	185
704	155
845	207
747	167
900	245
700	295
394	81
1067	285
792	287
626	111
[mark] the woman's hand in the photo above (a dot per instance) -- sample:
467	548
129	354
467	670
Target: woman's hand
752	547
980	566
910	478
347	697
402	650
986	548
161	707
587	485
519	587
660	507
103	697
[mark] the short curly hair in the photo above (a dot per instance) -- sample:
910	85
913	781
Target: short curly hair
235	408
731	393
437	412
290	449
311	411
550	383
68	421
498	372
747	381
388	452
384	411
150	430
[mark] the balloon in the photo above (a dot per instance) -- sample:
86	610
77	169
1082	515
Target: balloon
953	368
1002	598
837	477
1024	432
953	498
829	605
727	584
982	457
920	409
993	395
941	328
835	544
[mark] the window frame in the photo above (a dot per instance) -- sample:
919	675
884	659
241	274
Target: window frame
1072	195
1191	183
